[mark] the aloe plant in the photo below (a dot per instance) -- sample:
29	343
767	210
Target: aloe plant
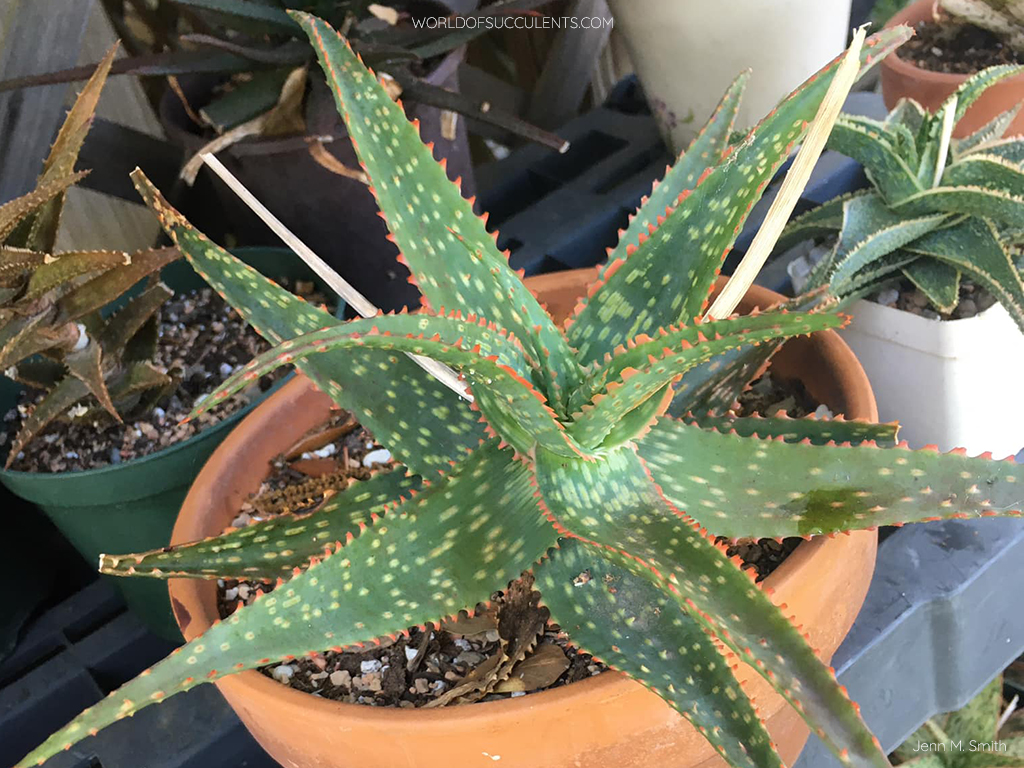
937	207
566	462
1004	18
52	334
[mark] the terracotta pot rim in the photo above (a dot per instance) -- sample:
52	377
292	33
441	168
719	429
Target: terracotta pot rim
908	69
607	685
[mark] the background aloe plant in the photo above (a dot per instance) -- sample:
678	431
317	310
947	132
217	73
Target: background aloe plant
52	334
566	462
1004	18
937	208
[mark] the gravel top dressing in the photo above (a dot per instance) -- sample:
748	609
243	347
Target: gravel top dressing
509	649
956	48
201	342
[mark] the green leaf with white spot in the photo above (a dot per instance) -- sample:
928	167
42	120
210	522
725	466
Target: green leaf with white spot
705	151
871	230
617	512
816	431
740	487
272	548
447	248
667	279
992	131
633	375
870	145
823	221
939	281
973	246
492	362
635	627
423	423
981	169
428	558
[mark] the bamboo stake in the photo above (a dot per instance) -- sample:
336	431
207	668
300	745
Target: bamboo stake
337	283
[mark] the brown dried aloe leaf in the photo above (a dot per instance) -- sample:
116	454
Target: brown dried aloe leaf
58	269
87	366
101	290
474	685
12	213
64	155
55	404
477	624
538	670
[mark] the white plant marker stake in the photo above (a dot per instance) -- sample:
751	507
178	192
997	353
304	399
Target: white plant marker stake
338	284
796	179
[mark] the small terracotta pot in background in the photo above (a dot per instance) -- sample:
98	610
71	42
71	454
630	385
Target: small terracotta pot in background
900	79
601	721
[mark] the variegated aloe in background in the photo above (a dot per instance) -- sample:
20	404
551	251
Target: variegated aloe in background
567	461
52	334
937	207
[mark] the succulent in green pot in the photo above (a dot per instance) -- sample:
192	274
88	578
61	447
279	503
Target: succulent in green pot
567	461
53	336
101	353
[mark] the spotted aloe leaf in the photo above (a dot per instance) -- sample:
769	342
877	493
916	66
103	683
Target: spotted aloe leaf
60	164
273	548
705	151
736	486
871	230
428	216
361	379
668	277
716	384
492	362
430	557
974	247
975	201
614	508
820	222
870	145
929	137
636	627
817	431
992	131
1010	149
939	281
988	171
633	375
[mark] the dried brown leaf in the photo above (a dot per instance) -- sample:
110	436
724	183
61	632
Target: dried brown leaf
539	669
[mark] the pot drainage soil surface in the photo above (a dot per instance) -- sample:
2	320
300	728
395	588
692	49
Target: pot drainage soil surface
956	48
201	341
506	649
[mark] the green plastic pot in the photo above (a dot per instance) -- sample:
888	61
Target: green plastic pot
132	506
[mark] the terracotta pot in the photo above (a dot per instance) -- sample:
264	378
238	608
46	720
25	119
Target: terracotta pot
605	720
902	79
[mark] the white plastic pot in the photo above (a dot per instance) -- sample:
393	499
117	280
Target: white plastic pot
686	53
954	384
